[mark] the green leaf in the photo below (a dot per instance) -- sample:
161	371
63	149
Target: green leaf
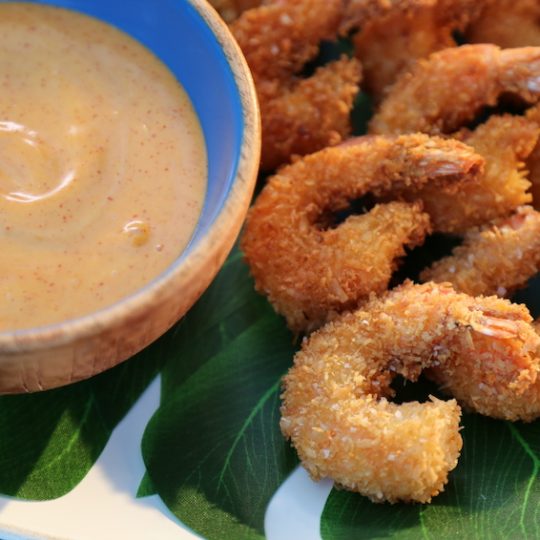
50	440
493	493
146	487
213	450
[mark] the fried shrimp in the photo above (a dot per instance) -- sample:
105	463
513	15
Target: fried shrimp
449	89
505	142
498	373
311	116
298	115
308	273
335	408
507	23
497	258
389	44
474	76
358	12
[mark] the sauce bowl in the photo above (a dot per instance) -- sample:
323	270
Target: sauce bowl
190	38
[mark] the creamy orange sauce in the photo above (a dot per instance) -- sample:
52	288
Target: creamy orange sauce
102	166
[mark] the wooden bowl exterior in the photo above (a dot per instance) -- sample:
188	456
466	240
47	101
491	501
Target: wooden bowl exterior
42	359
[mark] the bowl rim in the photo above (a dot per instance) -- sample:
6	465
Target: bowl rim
201	252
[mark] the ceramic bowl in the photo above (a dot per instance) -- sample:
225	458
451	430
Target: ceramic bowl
196	45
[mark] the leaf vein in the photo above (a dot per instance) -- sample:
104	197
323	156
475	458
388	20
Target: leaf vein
536	466
244	427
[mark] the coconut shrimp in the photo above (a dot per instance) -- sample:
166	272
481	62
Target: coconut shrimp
507	23
389	44
358	12
449	89
497	258
298	116
497	378
309	273
335	401
505	142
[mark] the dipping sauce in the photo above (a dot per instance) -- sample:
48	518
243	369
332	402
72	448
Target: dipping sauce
102	166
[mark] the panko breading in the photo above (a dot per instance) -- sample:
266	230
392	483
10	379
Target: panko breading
312	115
390	44
507	23
309	273
445	92
499	378
449	89
358	12
334	402
497	258
298	116
505	142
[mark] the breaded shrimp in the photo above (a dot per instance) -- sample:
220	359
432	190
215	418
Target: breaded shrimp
309	273
298	116
358	12
312	115
505	142
334	402
390	44
497	258
449	89
497	373
507	23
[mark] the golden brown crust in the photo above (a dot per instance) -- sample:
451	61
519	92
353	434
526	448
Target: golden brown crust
309	273
314	114
359	12
386	47
278	39
497	258
507	23
446	91
505	142
334	408
397	34
298	116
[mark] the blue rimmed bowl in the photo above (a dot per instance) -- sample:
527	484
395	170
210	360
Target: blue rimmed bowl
196	45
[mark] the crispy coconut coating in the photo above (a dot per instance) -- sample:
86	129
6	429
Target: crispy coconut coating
446	91
309	273
390	44
497	258
505	142
298	116
312	115
496	371
507	23
278	39
335	409
359	12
